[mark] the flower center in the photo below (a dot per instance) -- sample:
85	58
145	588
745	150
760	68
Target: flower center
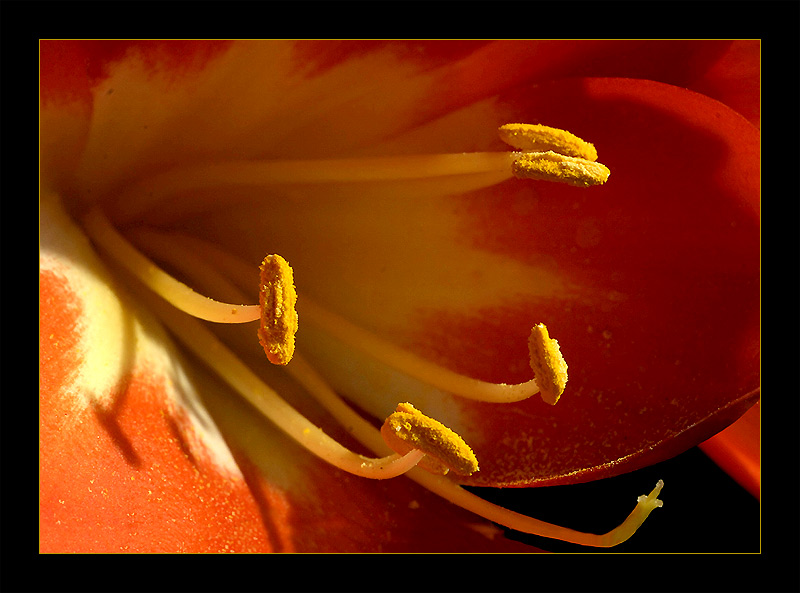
544	154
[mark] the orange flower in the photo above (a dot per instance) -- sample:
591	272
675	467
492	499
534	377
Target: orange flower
376	170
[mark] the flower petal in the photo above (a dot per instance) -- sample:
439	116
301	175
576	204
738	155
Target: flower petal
737	450
132	457
570	279
129	461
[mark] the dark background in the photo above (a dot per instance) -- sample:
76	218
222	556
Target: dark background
704	511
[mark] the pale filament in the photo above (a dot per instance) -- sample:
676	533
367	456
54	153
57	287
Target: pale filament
170	289
173	247
444	487
409	363
131	202
370	437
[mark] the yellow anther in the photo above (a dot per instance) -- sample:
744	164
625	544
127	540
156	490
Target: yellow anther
551	166
543	138
277	298
408	428
547	363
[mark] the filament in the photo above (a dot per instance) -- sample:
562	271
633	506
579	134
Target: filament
141	196
208	348
370	437
413	365
175	292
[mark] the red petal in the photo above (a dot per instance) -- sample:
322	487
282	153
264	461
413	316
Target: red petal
660	325
737	450
735	79
474	70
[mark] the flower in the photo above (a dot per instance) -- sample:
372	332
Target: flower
209	155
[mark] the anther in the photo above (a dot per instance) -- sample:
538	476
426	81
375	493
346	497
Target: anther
543	138
548	364
407	429
551	166
277	297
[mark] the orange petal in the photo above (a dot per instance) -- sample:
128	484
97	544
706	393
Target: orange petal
737	450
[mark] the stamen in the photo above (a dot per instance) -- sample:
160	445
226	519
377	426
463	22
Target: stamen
277	297
411	364
408	429
178	294
548	364
543	138
551	166
559	156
